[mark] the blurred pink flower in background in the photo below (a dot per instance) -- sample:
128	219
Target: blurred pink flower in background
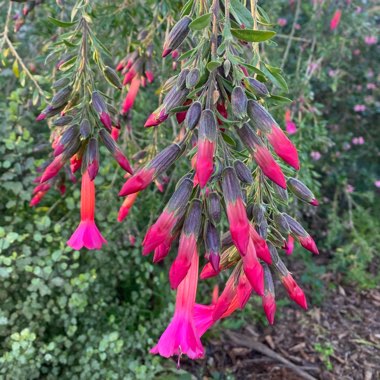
377	183
297	26
370	73
370	40
356	52
332	73
315	155
290	125
371	86
358	140
350	188
335	21
358	10
282	21
359	108
346	146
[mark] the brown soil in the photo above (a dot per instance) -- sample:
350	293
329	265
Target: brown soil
339	340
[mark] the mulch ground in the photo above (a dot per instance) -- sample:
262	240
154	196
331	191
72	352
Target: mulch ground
339	340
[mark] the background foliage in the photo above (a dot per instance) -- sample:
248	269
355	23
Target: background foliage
94	314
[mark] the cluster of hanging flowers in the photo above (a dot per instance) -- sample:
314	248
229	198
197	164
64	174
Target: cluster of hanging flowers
84	120
233	143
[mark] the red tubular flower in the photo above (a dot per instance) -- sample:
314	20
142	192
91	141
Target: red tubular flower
146	175
149	75
163	249
115	132
138	181
269	166
131	96
156	118
283	147
38	195
335	21
224	302
54	167
105	119
75	162
261	246
208	271
236	212
181	336
253	269
308	243
126	206
187	244
87	234
161	231
243	290
294	291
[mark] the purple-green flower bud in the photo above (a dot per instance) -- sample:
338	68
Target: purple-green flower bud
230	185
294	226
176	36
112	77
258	214
207	126
262	229
181	79
174	98
301	191
165	158
192	78
85	128
214	209
243	173
60	83
98	103
248	137
61	97
281	223
257	87
212	243
227	240
239	102
62	121
192	224
268	280
181	196
193	115
92	158
260	118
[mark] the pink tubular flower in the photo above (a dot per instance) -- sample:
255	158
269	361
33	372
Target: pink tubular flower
260	245
253	269
269	166
156	118
187	244
37	198
181	336
308	243
269	306
126	206
294	291
163	249
334	23
131	96
87	234
52	170
290	126
283	147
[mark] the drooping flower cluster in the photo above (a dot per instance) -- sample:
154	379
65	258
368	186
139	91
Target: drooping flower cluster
233	143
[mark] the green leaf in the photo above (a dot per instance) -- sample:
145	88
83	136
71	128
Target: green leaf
274	75
229	140
62	24
187	8
254	69
200	22
68	64
212	65
241	13
251	35
279	99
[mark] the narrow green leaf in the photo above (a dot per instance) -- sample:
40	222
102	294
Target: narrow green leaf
187	8
62	24
229	140
279	99
250	35
241	13
212	65
200	22
277	79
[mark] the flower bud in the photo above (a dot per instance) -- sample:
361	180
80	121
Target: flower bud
248	137
62	121
280	192
165	158
214	207
243	173
180	198
193	115
268	299
301	191
85	128
176	36
181	79
256	87
258	213
115	150
239	102
98	102
262	229
260	117
68	137
92	158
226	67
174	98
112	77
212	243
60	83
61	97
49	111
294	291
281	223
192	78
192	224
